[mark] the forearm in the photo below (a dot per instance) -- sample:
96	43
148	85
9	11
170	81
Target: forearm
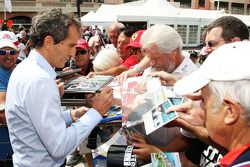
113	71
144	63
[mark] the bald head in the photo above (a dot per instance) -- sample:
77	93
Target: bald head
114	31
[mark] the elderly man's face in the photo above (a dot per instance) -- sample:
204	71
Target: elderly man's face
214	117
159	60
8	60
214	39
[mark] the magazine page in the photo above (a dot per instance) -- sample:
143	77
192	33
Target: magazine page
158	117
170	159
90	85
139	95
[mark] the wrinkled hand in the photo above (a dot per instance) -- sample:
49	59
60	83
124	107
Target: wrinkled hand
142	149
103	101
78	113
60	86
126	74
166	78
190	112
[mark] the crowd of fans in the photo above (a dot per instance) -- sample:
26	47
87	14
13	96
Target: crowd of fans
212	128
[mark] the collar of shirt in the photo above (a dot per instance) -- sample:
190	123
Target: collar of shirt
41	61
183	67
230	157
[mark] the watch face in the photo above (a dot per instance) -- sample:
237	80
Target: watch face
2	107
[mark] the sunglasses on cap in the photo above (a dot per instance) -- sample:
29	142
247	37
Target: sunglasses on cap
81	52
7	52
134	50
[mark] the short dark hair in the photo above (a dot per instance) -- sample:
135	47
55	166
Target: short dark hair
53	23
129	31
231	27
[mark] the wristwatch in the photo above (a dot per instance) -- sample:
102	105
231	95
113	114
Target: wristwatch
2	108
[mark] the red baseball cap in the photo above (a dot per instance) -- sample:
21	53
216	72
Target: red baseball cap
82	43
135	40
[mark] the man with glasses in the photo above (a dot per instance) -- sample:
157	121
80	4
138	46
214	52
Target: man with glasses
135	47
82	58
8	56
226	29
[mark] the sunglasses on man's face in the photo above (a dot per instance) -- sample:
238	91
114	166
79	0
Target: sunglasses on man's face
81	52
7	52
134	50
213	43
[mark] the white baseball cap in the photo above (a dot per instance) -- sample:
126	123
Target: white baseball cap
8	39
230	62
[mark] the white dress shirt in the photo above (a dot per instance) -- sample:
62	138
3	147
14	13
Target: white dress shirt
37	126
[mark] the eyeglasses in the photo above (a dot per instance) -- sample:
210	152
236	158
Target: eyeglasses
7	52
81	52
212	43
134	50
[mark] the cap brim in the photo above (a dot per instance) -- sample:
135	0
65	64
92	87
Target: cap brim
4	44
190	84
80	46
133	45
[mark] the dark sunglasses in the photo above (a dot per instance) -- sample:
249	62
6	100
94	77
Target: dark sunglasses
81	52
134	50
7	52
212	43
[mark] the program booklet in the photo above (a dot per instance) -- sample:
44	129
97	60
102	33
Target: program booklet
138	96
158	117
87	85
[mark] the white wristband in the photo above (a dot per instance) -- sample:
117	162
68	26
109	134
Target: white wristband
137	68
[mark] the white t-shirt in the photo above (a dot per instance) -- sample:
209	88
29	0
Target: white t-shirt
21	55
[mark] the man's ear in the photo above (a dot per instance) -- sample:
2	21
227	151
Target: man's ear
235	39
48	41
231	110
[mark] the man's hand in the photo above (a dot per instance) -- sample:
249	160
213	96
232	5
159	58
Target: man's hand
190	112
67	77
166	78
60	86
103	101
126	74
78	113
90	74
142	149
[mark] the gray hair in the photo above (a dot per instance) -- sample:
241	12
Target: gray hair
237	90
165	37
53	23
